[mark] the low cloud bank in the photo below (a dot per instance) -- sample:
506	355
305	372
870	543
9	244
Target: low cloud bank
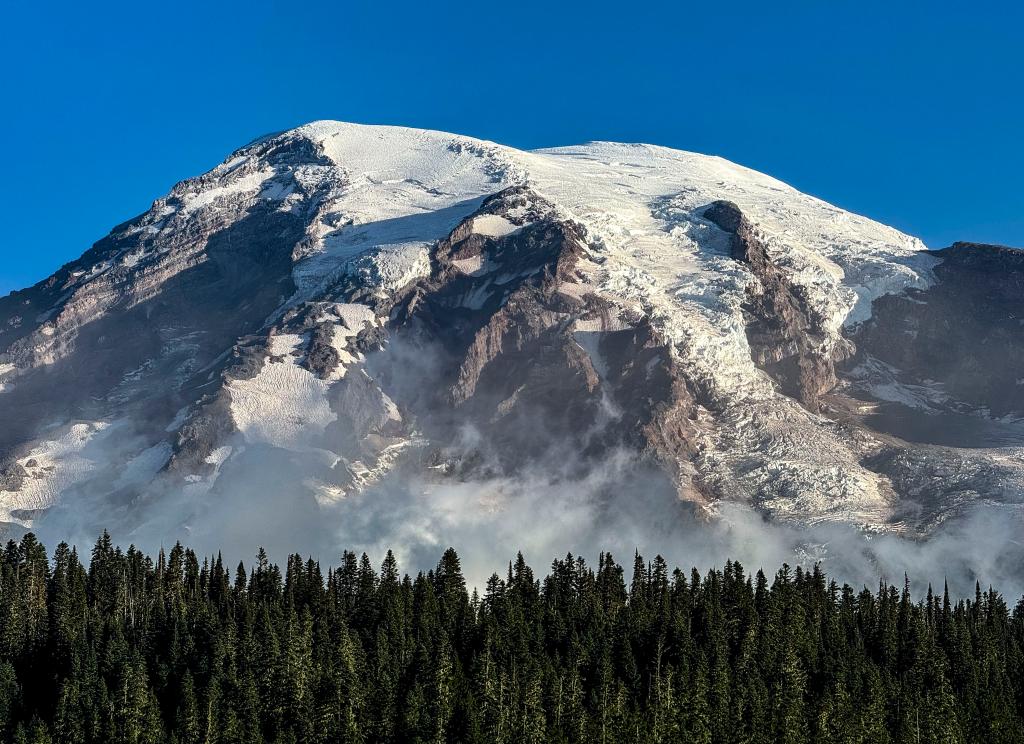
558	504
618	506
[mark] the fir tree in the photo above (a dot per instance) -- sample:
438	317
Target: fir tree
137	650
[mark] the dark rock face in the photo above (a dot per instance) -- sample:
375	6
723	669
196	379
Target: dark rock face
150	350
953	352
726	214
321	356
506	351
965	333
163	322
206	429
963	337
658	405
12	476
246	359
499	322
785	334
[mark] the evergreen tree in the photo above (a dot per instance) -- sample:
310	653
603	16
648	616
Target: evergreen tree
174	649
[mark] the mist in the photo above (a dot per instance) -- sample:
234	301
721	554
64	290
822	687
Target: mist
621	505
558	503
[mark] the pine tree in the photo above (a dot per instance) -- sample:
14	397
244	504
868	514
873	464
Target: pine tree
9	694
137	650
187	722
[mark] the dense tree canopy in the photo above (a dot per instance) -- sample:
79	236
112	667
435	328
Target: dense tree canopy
177	650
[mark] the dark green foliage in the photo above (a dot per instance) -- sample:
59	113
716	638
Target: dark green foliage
188	652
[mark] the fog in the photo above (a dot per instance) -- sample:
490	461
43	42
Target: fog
619	505
556	504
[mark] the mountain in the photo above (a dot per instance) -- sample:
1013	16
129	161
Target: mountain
339	307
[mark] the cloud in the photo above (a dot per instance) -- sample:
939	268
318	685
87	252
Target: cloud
552	505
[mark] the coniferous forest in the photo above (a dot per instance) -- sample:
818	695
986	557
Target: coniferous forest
176	649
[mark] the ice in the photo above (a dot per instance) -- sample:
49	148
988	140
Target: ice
284	405
208	197
54	465
882	382
477	297
474	265
403	190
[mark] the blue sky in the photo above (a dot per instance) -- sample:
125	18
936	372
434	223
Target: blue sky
910	113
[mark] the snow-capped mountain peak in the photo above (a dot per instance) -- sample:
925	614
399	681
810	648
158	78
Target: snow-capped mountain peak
348	300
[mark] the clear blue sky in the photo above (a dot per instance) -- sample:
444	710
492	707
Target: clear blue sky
911	113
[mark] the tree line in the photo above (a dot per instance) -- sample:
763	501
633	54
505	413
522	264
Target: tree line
174	650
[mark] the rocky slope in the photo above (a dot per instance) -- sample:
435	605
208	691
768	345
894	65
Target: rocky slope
348	301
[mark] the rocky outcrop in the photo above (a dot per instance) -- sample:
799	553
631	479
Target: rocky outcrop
964	333
658	404
12	475
786	335
532	358
494	317
210	426
944	360
142	332
321	356
363	410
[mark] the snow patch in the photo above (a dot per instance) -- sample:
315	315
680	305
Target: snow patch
243	185
354	316
284	405
474	265
493	226
53	466
404	189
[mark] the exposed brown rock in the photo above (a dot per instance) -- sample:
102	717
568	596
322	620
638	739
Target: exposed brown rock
786	336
